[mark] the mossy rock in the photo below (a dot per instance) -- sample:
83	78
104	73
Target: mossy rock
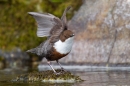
48	76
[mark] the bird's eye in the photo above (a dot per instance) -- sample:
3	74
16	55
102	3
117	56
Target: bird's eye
71	35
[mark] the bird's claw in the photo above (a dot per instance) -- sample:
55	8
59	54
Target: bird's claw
63	70
58	73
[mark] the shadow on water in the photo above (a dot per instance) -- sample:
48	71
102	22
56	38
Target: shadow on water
92	78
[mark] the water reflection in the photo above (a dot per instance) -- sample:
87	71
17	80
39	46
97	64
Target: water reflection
111	78
105	78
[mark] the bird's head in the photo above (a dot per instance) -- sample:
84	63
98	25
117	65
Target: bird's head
67	34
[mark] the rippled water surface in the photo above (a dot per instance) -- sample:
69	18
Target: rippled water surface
91	78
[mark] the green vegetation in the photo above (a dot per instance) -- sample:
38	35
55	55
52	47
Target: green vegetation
18	29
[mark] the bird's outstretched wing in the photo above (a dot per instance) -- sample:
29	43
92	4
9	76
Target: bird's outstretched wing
63	18
47	23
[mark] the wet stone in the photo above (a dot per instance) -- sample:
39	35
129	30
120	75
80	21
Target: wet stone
48	76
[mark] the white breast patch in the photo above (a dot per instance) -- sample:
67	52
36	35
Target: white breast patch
64	47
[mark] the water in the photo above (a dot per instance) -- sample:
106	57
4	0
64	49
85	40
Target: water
93	77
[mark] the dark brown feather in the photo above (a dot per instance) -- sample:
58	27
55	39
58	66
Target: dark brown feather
54	55
65	35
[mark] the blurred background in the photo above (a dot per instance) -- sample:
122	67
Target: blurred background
102	29
101	51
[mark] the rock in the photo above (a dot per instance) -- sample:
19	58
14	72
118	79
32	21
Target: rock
15	59
47	76
102	29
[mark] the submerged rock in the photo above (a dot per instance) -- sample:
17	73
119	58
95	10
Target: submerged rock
48	76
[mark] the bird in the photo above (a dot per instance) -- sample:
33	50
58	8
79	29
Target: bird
59	40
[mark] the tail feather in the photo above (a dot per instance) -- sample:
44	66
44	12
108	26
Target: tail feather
31	50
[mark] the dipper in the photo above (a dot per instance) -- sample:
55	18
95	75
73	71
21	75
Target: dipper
59	39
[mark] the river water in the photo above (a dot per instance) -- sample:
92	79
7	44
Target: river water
94	76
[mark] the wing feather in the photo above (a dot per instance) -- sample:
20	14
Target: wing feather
46	23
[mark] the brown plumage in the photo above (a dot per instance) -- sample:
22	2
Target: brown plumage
55	55
60	39
65	35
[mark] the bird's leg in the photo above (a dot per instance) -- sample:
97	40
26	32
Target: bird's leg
42	61
60	65
48	62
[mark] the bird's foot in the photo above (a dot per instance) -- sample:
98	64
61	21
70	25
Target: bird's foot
63	70
58	73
